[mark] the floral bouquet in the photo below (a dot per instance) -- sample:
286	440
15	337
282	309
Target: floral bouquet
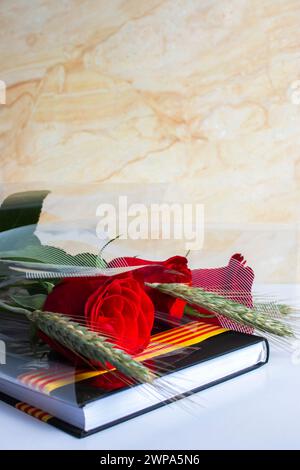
98	311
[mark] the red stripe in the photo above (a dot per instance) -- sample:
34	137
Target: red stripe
43	416
182	337
179	341
25	409
42	377
170	333
43	383
37	374
179	332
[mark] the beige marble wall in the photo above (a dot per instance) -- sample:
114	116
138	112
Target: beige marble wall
203	93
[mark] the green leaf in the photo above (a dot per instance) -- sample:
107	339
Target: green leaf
48	286
21	209
38	287
188	310
19	215
52	255
33	302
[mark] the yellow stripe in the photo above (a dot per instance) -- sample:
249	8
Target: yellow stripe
165	339
48	388
21	406
167	334
86	375
178	338
77	378
184	344
174	332
180	335
38	414
46	418
34	412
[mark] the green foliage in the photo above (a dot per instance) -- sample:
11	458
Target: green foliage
52	255
17	211
19	215
32	302
188	310
21	209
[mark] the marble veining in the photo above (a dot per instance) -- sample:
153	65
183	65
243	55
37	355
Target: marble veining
201	93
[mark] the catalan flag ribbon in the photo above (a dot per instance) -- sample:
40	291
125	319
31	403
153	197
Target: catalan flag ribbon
53	378
34	412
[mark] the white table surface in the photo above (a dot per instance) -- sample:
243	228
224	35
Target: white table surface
259	410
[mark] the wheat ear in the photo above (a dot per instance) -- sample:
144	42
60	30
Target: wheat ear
87	343
219	304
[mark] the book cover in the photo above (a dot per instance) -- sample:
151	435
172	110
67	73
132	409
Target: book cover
171	350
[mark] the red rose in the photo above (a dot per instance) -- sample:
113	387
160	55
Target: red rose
121	310
174	269
117	307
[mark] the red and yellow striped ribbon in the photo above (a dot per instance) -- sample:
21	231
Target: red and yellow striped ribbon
47	380
32	411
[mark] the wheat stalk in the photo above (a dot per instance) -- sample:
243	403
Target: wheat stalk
87	343
219	304
267	307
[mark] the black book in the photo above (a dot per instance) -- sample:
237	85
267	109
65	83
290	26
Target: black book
188	358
